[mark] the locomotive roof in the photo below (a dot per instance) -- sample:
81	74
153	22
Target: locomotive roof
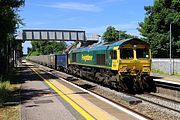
130	40
111	45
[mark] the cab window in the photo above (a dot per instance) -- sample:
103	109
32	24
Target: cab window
142	53
126	53
73	57
113	54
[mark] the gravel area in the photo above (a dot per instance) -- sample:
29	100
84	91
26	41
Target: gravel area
168	92
174	106
167	96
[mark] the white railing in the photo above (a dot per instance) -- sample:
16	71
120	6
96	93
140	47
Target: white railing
166	66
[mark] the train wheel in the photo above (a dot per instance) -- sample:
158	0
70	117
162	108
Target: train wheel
106	81
81	74
119	86
99	78
145	84
149	84
138	86
126	84
113	82
65	70
113	85
129	81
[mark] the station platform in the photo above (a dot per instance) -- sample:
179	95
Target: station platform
39	102
46	97
166	78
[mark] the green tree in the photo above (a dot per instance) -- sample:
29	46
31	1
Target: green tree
156	27
59	47
124	35
9	21
111	34
45	47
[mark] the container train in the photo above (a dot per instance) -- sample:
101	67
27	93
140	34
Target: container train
124	65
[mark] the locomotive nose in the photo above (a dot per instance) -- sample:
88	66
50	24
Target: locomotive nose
135	67
141	66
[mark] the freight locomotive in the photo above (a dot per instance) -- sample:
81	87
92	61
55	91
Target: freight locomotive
124	65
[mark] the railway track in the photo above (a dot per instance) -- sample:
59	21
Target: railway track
113	96
160	101
164	98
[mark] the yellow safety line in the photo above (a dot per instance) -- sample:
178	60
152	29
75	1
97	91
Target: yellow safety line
72	103
95	111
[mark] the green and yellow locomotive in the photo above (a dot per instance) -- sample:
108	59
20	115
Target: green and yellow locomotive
124	64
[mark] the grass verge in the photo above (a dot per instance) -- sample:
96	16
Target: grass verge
9	94
158	71
165	73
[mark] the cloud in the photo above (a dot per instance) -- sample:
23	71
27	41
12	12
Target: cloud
127	26
108	1
75	6
87	7
130	27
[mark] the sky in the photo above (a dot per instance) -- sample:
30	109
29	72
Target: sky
92	16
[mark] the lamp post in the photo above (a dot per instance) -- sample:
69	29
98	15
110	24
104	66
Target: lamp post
170	65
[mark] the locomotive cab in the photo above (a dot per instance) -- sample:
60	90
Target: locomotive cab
133	58
133	64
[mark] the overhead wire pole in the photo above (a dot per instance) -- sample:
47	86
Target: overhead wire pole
170	65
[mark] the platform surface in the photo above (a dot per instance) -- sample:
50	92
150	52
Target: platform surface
166	78
39	102
46	97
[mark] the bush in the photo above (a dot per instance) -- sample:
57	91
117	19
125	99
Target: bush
35	53
4	90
